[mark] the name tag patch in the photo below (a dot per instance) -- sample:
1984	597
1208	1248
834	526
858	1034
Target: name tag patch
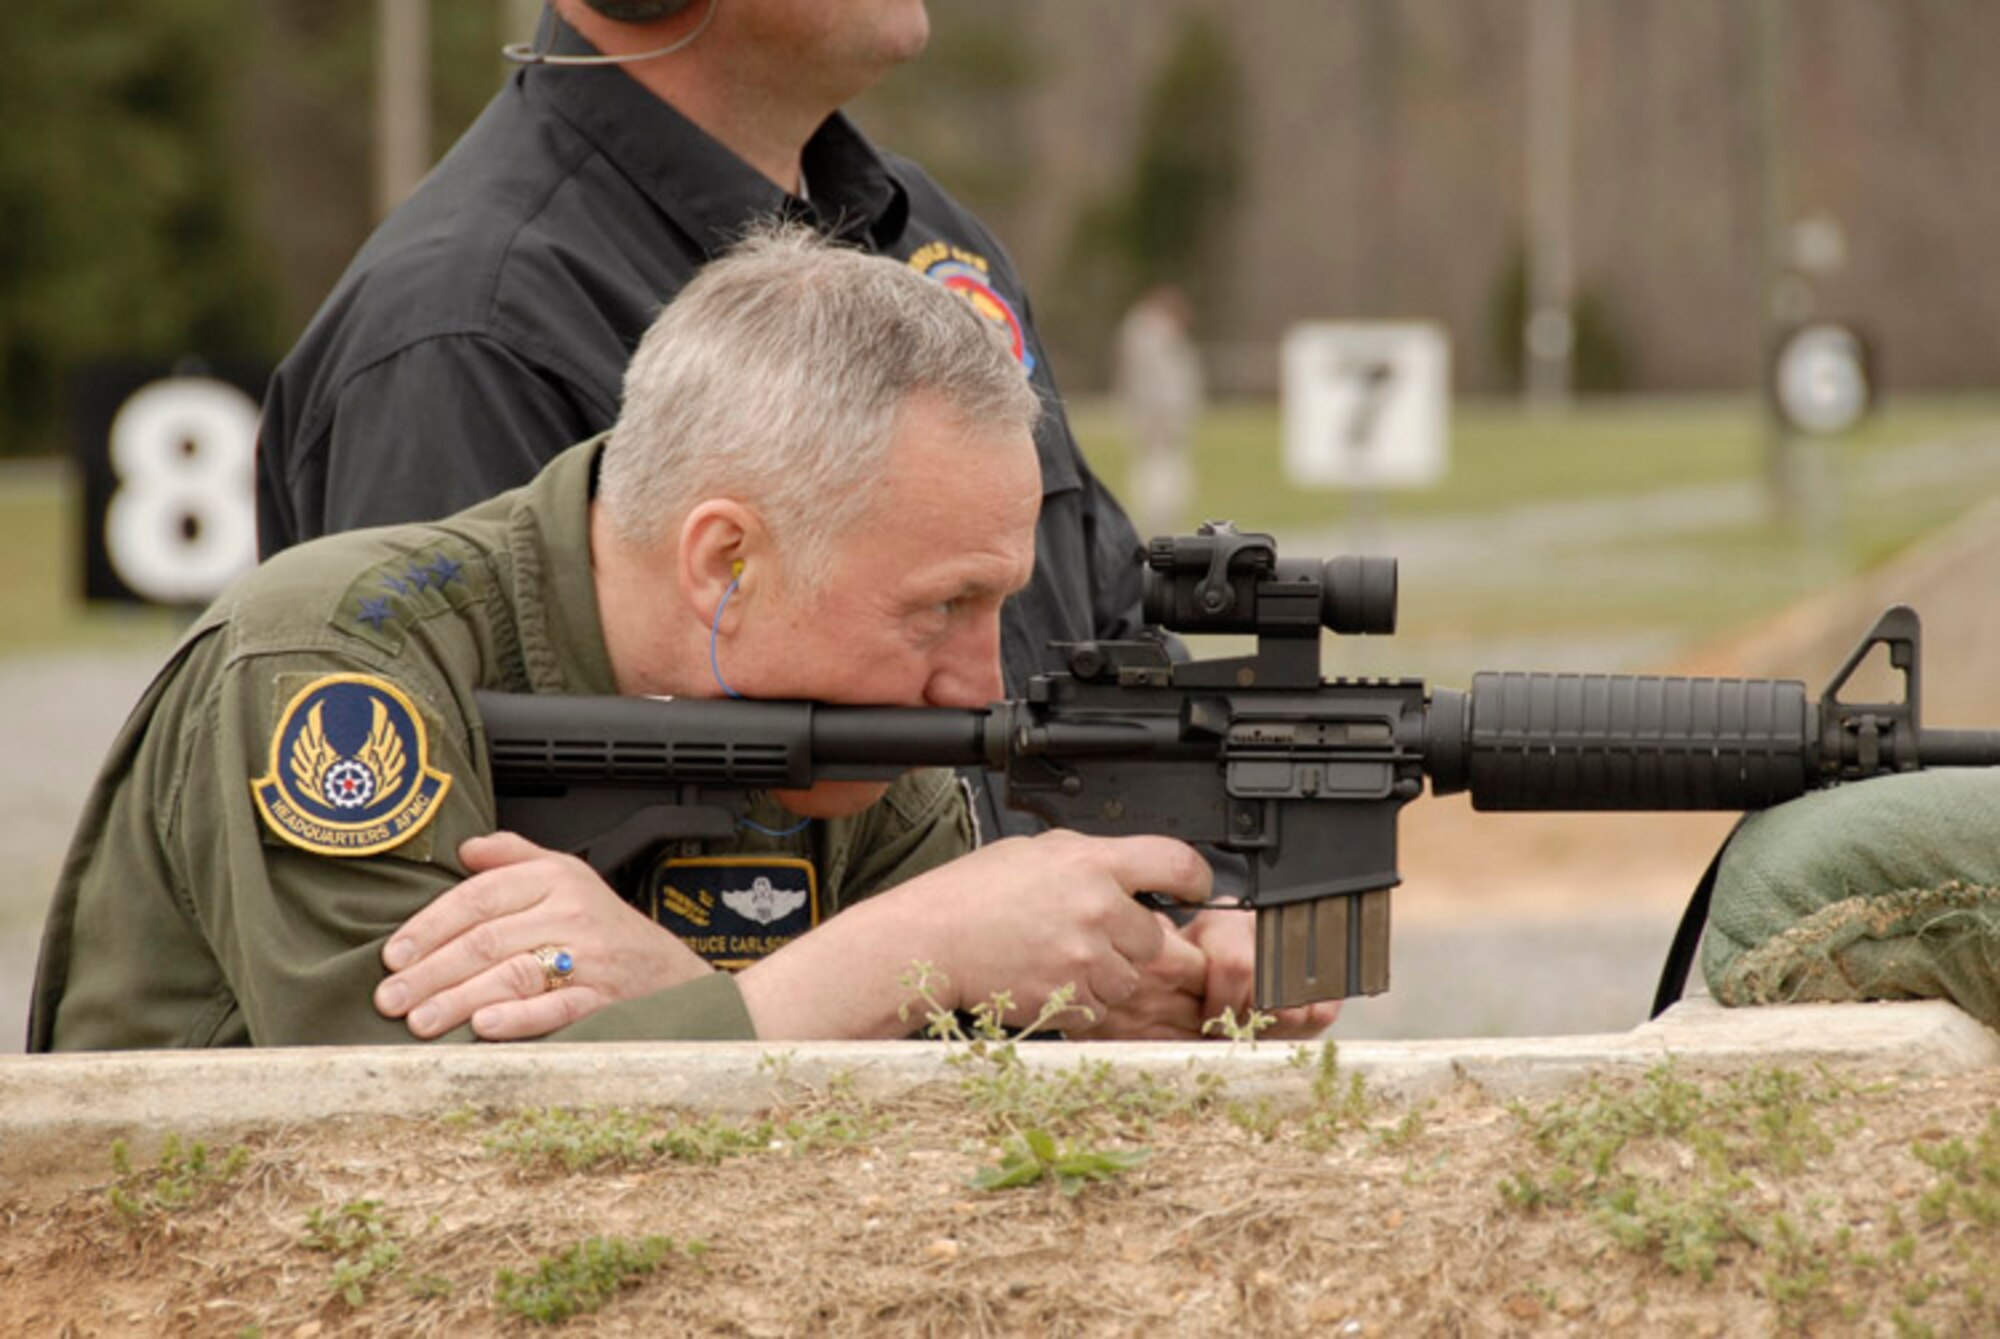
735	910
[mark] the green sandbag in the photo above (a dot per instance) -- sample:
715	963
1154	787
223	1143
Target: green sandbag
1881	890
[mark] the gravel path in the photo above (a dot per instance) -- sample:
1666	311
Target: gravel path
1968	461
58	716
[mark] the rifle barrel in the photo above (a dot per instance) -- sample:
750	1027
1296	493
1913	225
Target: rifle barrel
1625	742
1959	748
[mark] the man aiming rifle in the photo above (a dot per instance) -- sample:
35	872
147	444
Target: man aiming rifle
822	484
1305	777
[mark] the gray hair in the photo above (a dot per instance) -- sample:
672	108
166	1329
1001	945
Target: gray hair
777	377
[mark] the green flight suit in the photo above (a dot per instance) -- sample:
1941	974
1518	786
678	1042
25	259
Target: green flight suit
185	917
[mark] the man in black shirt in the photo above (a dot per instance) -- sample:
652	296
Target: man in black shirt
486	325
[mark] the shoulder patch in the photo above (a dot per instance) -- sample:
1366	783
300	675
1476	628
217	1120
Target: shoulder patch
349	772
969	274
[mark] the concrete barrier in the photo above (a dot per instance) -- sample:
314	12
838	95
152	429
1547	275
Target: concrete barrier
199	1093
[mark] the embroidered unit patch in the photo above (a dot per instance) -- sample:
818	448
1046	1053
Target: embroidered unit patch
967	274
348	769
733	910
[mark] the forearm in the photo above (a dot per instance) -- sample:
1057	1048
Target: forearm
707	1009
846	979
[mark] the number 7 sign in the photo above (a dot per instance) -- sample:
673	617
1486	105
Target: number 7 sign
1365	404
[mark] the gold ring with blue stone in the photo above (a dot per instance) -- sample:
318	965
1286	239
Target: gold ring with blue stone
557	966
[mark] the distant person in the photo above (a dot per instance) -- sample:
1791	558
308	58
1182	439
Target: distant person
1160	385
822	483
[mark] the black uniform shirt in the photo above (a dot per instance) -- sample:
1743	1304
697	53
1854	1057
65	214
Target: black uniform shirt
487	324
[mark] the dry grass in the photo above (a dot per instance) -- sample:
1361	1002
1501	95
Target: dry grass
1851	1210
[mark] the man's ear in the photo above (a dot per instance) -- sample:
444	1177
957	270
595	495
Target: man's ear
720	542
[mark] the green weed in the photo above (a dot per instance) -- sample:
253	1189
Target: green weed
1767	1118
1596	1146
1691	1174
182	1178
1261	1120
1029	1104
712	1139
574	1140
1033	1156
363	1239
1338	1104
583	1277
1404	1132
825	1127
997	1084
581	1140
1226	1024
1968	1184
1800	1274
1909	1327
1685	1229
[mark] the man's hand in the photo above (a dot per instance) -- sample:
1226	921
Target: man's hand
1024	916
469	954
1228	941
1057	909
1167	1006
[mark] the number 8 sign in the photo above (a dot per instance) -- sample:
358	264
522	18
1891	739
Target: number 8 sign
170	503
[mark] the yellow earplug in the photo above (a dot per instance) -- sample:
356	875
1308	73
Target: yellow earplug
736	568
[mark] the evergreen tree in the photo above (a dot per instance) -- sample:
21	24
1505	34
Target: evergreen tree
1165	223
122	228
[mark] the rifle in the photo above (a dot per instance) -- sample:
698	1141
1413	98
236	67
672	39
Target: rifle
1255	754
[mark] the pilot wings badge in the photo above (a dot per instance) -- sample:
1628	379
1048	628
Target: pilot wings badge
763	902
348	775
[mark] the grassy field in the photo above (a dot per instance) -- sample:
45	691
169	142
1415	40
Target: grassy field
1504	457
41	608
1607	596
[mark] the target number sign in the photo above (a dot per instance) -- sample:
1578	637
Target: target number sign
1822	378
1366	404
170	504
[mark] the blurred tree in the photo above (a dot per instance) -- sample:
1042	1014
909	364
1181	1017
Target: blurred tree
122	226
309	89
189	176
1189	162
1165	223
958	111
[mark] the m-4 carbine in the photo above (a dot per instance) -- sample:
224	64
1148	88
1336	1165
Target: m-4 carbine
1256	754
